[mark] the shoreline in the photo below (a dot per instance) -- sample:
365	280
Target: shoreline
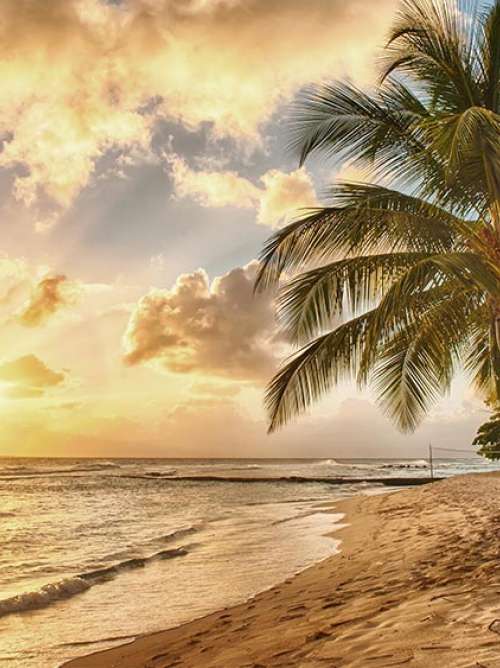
386	481
416	582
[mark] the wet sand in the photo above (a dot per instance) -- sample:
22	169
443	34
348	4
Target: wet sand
417	583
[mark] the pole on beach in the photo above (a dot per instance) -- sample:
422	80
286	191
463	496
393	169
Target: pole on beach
431	463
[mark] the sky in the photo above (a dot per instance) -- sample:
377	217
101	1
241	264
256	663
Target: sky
143	163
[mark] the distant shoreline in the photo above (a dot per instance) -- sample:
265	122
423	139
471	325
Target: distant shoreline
415	583
387	481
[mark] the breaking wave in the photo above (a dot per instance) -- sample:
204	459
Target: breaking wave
69	587
9	472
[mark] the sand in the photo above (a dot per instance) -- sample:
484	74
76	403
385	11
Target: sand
417	584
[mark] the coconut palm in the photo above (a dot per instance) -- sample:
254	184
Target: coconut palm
399	285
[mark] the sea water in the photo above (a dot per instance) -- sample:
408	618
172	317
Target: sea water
95	552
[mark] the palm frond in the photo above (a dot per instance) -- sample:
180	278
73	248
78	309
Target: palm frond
482	359
346	121
465	142
339	355
314	370
364	219
309	303
489	58
415	368
378	131
433	43
468	269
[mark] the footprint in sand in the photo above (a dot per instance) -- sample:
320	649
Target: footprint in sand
333	604
243	627
287	618
318	635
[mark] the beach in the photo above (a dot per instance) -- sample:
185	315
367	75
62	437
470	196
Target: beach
416	582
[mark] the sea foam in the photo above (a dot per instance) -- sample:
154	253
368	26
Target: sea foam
68	587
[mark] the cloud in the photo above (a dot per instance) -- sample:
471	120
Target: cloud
284	195
219	328
84	78
20	392
278	199
15	279
212	188
28	377
215	389
68	405
32	294
48	296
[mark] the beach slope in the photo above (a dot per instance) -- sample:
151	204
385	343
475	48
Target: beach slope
417	583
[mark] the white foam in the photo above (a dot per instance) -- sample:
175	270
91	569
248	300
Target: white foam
48	594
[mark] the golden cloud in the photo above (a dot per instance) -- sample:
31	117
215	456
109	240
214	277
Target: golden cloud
212	188
81	77
215	389
15	279
28	377
281	196
48	296
284	195
220	329
20	392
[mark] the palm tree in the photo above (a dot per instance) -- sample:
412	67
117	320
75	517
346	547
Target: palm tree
399	286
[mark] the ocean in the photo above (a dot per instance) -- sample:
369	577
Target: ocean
95	552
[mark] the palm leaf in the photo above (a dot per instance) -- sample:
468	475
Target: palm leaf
468	269
315	369
416	367
308	304
483	359
433	42
364	219
489	58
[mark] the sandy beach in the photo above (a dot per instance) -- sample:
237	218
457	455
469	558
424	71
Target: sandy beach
417	583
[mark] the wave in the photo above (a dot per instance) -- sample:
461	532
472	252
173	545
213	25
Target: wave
327	462
69	587
8	473
388	479
32	600
97	466
13	467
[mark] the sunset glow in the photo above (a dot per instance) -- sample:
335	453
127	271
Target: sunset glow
142	166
